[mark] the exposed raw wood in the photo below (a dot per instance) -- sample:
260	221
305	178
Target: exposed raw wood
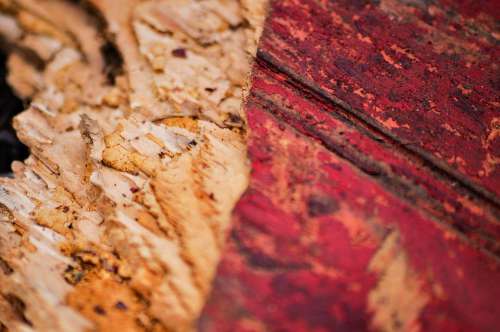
117	219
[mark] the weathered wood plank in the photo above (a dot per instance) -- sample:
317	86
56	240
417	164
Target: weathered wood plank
373	202
400	172
424	73
319	245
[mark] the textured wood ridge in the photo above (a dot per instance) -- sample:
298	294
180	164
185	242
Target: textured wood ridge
117	220
373	201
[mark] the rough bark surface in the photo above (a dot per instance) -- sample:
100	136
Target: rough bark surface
373	199
117	219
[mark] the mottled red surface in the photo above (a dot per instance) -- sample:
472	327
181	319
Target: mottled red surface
375	143
424	76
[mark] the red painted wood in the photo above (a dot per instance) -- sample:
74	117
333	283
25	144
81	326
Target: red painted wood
367	208
418	70
383	159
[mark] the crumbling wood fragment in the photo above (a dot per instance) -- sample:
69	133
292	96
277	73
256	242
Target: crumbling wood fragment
117	219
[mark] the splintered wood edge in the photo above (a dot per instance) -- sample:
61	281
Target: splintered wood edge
118	218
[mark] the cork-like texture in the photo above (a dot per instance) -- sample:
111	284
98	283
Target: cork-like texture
117	219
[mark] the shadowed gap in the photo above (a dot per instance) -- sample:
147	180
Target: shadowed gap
10	147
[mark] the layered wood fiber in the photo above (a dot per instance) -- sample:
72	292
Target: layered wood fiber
117	219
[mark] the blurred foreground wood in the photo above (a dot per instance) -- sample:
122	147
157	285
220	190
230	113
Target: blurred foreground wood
117	219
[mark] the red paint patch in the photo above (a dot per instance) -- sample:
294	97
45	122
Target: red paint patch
332	178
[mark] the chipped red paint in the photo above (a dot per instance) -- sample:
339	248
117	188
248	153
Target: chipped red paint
424	75
369	205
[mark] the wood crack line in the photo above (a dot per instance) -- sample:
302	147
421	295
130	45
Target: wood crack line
352	160
438	168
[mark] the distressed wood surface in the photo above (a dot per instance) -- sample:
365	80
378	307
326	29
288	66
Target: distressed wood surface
373	202
117	219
